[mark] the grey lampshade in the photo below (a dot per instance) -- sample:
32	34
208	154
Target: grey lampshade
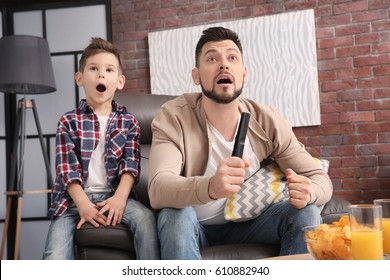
25	65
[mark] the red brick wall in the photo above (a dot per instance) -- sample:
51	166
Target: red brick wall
353	49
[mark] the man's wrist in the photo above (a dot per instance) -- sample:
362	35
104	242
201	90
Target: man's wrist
209	190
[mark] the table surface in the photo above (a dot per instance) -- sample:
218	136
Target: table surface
292	257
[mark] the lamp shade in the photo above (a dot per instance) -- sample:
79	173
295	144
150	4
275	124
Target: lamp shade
25	65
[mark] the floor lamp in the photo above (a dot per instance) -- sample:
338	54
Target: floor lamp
25	68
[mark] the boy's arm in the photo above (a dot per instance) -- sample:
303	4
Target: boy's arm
87	210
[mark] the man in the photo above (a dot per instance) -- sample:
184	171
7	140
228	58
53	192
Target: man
192	172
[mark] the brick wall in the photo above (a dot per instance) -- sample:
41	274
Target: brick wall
353	49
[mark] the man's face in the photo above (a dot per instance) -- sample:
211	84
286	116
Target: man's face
221	72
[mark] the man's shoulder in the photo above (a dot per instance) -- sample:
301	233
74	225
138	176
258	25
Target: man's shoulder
255	107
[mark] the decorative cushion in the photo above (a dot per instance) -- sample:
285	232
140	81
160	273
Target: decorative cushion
267	186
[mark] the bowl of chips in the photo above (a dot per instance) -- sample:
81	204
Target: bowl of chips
329	241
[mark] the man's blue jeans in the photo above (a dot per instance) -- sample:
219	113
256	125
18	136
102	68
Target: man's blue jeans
140	219
181	235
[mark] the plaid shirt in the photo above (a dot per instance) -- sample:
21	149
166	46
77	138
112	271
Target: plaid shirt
76	138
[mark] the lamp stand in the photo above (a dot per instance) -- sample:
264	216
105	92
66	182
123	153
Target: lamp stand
17	169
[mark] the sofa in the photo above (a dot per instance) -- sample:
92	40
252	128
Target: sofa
117	242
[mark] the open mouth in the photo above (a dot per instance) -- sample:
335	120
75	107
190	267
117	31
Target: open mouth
224	79
101	88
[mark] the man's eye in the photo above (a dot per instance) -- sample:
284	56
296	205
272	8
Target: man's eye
211	59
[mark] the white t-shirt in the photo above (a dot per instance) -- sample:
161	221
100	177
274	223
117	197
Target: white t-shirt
97	175
212	213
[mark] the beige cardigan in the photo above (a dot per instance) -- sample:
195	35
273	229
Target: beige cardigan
180	151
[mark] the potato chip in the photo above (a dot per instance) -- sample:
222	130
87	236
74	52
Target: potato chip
330	242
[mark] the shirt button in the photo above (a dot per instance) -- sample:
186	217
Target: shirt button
96	123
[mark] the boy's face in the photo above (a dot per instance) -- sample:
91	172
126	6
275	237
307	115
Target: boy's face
100	78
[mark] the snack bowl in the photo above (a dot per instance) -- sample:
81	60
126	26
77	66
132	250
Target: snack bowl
328	241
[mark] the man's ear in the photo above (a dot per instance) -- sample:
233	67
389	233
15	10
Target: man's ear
79	78
121	82
195	76
245	74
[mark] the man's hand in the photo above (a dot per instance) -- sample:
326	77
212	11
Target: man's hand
299	188
228	177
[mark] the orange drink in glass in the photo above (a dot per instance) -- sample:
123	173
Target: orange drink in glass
366	231
386	235
367	245
385	203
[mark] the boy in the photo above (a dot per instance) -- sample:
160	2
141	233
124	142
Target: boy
98	161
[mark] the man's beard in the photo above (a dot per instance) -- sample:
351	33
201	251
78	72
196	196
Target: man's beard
221	99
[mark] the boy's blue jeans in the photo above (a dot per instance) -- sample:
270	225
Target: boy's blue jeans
140	219
181	235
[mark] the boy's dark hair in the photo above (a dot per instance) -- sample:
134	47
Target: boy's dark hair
215	34
98	45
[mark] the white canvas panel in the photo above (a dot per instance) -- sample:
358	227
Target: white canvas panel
71	29
279	51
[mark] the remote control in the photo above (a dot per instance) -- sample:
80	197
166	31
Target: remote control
239	143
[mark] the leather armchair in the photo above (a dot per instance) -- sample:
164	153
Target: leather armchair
117	242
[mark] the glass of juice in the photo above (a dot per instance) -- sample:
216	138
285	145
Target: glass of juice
366	231
385	203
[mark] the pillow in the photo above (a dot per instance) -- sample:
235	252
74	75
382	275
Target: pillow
267	186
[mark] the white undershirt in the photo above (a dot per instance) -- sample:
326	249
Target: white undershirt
212	213
97	175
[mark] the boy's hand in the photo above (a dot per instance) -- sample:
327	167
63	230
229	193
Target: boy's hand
115	207
89	213
87	210
298	188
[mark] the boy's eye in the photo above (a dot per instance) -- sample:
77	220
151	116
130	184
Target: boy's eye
93	68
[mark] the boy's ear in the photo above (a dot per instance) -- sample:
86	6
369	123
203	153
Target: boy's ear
121	82
79	78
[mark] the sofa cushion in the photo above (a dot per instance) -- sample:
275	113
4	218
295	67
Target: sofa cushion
334	209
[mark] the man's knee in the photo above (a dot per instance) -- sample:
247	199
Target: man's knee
310	215
172	217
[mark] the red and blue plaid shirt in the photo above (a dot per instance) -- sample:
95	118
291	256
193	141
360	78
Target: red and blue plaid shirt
78	135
